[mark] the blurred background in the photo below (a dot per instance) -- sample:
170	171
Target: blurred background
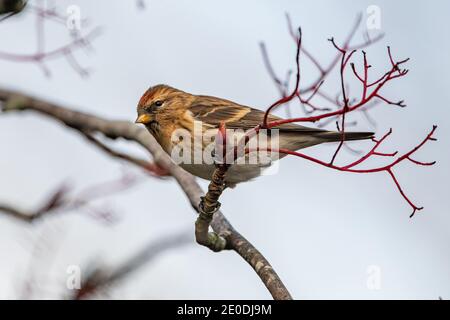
328	234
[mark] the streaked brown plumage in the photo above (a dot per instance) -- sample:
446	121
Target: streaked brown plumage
164	109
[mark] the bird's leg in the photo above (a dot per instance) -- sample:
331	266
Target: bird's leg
209	204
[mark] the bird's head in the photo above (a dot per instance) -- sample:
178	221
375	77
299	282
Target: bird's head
156	100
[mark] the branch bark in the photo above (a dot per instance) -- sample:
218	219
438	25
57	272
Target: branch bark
114	129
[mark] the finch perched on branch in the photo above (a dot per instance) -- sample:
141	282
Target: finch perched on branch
165	111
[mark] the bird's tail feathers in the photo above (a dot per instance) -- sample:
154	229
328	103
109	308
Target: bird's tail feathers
333	136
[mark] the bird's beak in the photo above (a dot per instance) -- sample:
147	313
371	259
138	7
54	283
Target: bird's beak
143	118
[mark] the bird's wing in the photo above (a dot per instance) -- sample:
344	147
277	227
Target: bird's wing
213	111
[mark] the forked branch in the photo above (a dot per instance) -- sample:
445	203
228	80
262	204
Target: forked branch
371	92
83	122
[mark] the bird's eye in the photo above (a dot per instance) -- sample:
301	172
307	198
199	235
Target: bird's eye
158	103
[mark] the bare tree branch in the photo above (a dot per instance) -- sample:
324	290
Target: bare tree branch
61	201
113	129
101	278
11	7
55	201
148	166
41	55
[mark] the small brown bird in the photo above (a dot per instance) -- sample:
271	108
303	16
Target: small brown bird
167	111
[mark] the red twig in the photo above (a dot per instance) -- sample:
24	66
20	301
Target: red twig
325	71
370	94
62	201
